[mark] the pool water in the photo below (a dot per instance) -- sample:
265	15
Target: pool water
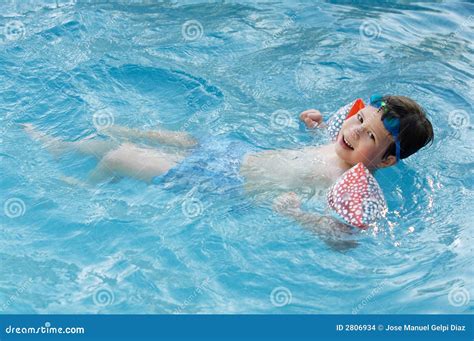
213	70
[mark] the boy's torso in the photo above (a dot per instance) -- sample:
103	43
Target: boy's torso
290	170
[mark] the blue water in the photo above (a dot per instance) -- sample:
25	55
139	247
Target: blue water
127	247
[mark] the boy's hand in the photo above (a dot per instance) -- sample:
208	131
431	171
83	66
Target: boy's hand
287	203
312	118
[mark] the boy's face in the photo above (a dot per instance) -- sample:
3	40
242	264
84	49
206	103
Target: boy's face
363	138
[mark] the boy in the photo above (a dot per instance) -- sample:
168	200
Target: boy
363	138
366	137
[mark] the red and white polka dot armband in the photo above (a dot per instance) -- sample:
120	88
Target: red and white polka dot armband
357	198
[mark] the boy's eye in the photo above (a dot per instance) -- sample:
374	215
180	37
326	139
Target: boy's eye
361	120
371	135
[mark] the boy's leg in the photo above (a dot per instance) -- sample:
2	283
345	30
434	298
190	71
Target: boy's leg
172	138
123	160
136	162
57	147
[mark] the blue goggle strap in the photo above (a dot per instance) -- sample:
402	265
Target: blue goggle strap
391	124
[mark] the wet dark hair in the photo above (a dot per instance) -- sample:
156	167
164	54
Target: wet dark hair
416	130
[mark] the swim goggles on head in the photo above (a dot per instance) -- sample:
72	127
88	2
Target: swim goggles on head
392	124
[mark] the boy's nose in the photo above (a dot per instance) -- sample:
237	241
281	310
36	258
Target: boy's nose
356	132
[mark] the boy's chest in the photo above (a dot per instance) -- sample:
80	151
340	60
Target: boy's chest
313	167
322	166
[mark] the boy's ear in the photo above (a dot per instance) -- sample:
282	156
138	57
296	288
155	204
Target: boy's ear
387	162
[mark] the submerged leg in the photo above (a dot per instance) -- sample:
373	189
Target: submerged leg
115	159
136	162
58	147
172	138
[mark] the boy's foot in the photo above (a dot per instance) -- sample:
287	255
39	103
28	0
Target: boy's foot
52	144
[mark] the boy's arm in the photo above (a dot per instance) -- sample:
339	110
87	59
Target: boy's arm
328	229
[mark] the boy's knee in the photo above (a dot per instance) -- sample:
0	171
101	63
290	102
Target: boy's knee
120	157
113	158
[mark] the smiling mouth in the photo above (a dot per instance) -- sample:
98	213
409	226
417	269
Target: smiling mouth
346	143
